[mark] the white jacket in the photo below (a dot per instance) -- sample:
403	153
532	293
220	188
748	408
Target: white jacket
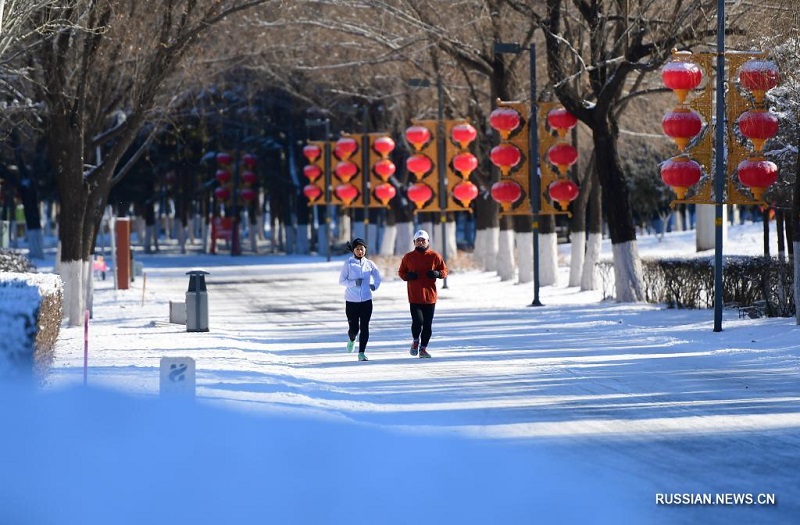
359	269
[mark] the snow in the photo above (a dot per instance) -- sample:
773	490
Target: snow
580	411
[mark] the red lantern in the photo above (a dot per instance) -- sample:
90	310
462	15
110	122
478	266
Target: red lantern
563	155
758	125
222	193
250	160
248	177
385	192
681	77
345	147
465	192
506	192
757	174
224	159
383	145
345	171
561	120
346	192
505	120
419	165
248	194
505	157
563	191
681	124
384	169
680	173
419	194
312	192
418	136
223	176
463	134
759	76
312	152
465	163
312	172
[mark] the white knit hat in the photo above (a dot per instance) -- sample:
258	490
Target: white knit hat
422	234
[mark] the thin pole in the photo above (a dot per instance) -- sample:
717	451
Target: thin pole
85	346
534	182
440	161
721	165
329	206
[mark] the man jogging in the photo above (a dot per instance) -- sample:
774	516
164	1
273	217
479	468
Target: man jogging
420	268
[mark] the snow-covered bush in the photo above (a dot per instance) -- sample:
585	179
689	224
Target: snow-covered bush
30	309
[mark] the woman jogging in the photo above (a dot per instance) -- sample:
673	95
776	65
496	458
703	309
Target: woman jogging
355	276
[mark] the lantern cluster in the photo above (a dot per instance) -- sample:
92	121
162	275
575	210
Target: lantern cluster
347	171
511	157
758	125
314	171
421	136
681	124
563	155
224	176
381	168
248	191
460	165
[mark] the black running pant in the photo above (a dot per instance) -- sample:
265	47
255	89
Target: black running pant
358	315
421	321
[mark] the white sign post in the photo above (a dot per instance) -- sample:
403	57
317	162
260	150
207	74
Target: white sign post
177	376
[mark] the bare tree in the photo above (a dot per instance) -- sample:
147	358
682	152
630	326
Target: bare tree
627	41
103	72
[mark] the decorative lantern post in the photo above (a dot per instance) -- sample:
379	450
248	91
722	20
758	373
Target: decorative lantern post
754	172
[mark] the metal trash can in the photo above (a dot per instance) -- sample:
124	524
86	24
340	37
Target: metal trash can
197	302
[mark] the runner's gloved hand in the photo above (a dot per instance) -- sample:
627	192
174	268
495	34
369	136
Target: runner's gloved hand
372	287
359	281
410	276
433	274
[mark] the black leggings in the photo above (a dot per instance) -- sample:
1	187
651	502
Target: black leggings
358	315
421	321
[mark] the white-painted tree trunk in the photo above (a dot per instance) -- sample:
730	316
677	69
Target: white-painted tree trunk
35	244
478	248
489	242
505	255
594	244
72	273
704	222
627	272
388	240
403	241
577	254
548	259
252	232
182	234
88	279
524	257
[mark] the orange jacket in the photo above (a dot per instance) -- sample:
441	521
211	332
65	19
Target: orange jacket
422	290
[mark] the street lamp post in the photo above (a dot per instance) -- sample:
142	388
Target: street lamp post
721	165
534	180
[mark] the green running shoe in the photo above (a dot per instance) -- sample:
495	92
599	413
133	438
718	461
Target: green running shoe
362	356
351	345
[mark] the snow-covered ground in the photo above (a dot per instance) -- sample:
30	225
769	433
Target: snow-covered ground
580	411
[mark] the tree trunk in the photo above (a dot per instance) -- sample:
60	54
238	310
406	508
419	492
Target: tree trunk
595	238
629	285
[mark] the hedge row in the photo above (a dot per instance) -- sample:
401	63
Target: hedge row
689	283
